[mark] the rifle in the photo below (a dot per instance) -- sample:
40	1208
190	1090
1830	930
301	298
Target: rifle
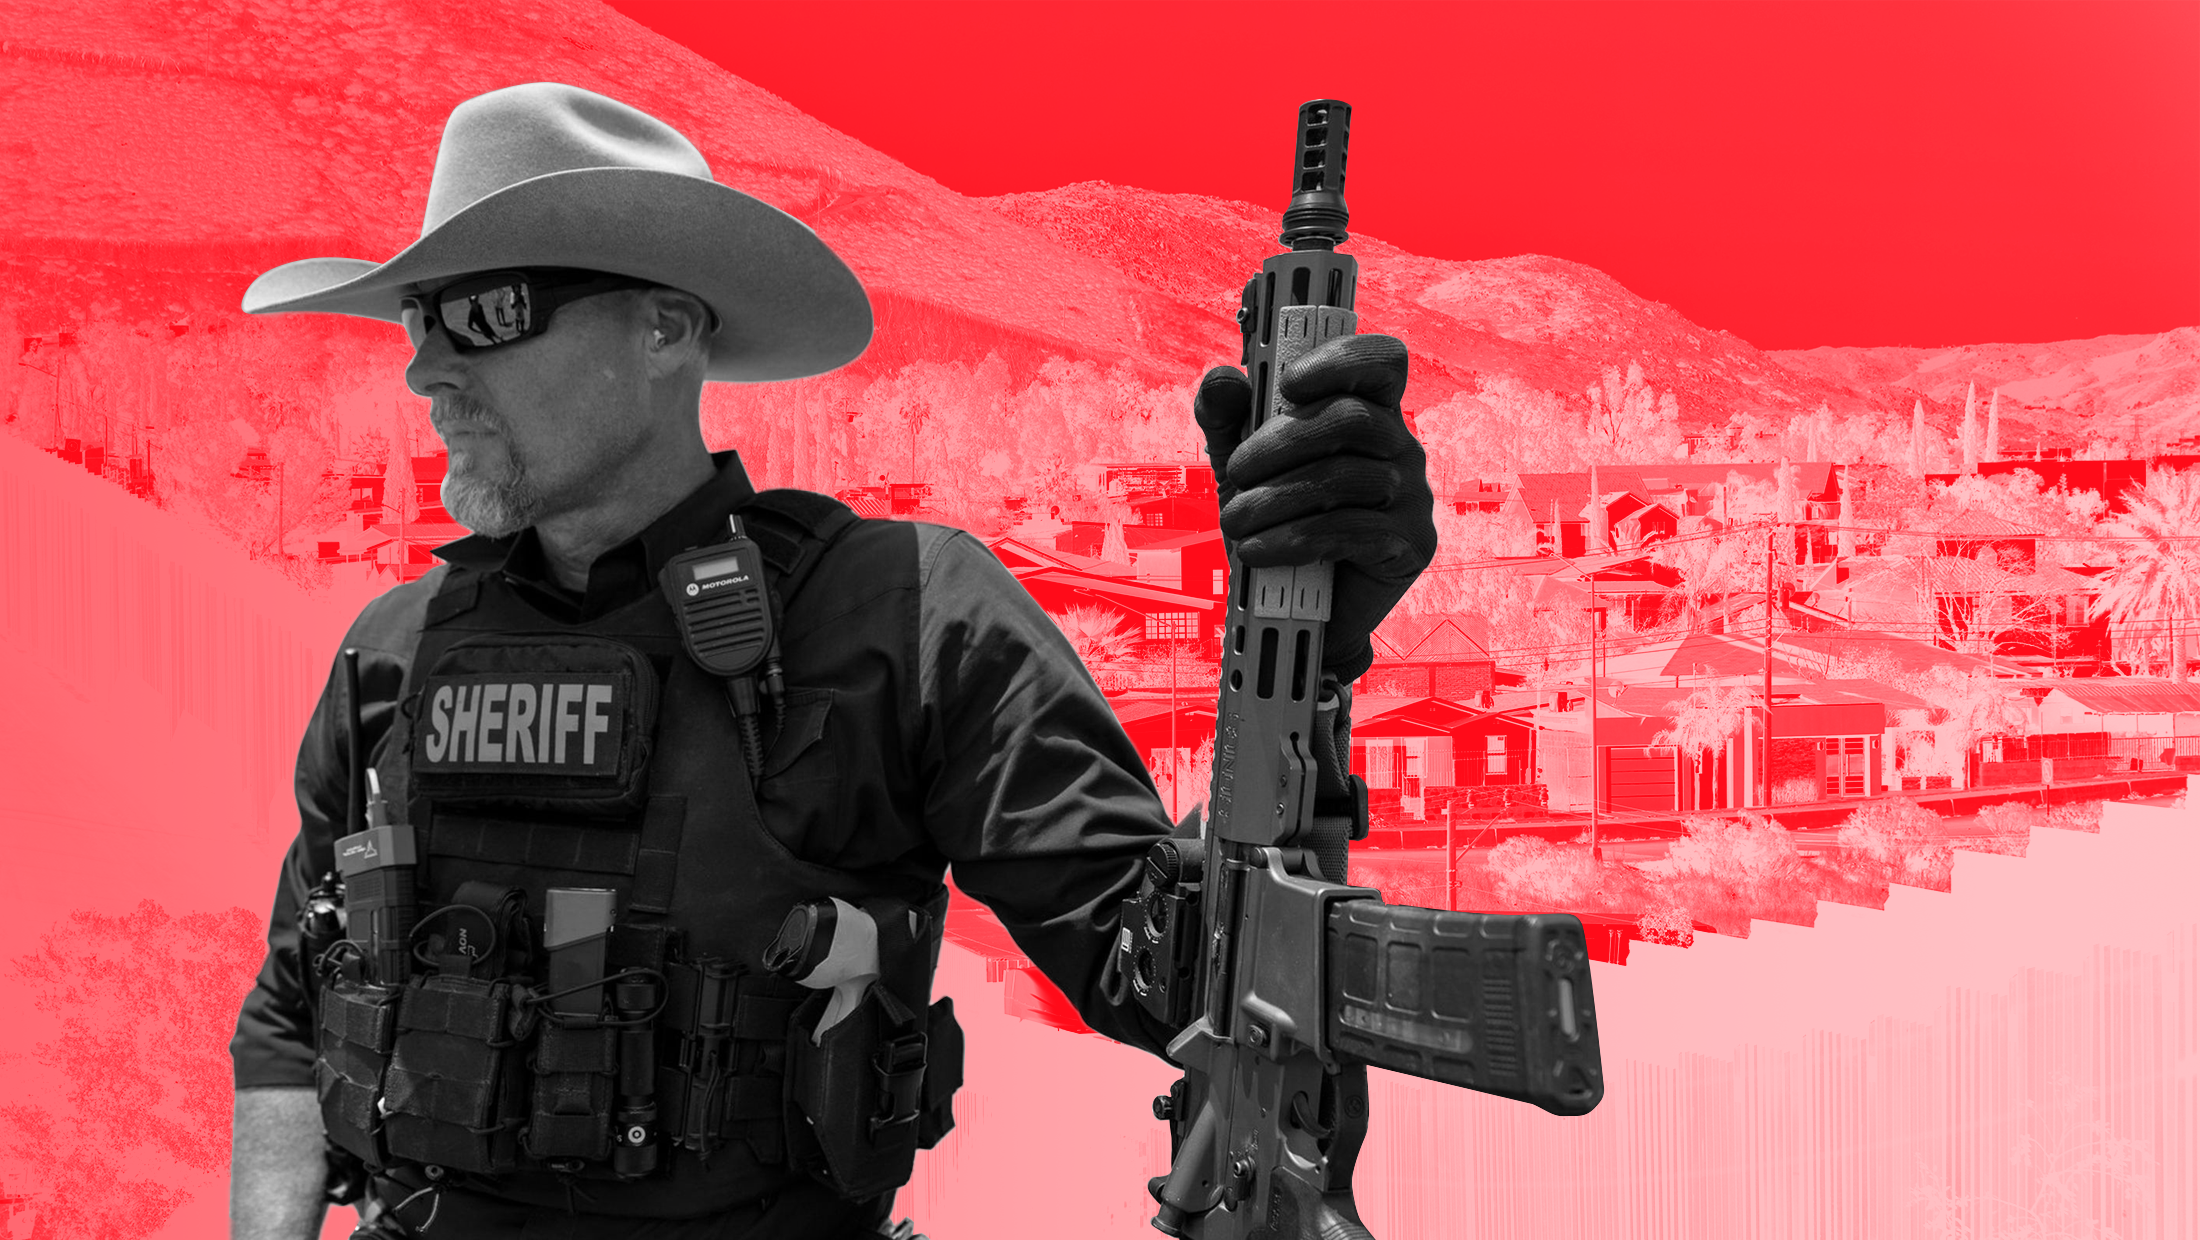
1293	982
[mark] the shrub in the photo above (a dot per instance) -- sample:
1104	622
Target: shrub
1529	872
1729	871
2076	816
2005	829
1799	791
1895	841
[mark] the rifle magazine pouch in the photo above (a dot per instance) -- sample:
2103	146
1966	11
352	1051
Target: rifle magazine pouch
356	1031
856	1097
453	1096
575	1071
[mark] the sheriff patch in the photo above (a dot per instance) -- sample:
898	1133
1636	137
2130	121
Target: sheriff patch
553	723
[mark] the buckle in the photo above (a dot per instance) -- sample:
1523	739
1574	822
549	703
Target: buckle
899	1067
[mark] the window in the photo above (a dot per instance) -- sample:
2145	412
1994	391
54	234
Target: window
1172	626
1494	757
1222	580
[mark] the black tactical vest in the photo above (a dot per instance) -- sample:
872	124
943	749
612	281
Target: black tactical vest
531	754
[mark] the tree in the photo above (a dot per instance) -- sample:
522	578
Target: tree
1712	564
1704	720
1101	637
1628	419
2154	590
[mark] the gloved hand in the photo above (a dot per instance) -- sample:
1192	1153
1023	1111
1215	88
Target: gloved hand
1335	477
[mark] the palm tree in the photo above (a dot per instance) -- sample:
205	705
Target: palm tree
1704	720
2156	582
1100	635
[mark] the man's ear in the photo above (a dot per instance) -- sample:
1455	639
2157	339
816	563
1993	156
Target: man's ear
679	330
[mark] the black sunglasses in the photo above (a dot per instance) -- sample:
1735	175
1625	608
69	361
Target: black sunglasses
500	307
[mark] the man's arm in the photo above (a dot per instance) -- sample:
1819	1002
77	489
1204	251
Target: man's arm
1034	793
279	1165
277	1170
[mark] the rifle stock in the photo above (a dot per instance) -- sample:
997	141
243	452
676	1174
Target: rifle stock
1292	981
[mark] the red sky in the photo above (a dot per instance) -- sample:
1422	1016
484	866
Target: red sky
1798	174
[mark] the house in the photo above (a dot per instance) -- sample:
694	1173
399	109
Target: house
1188	562
1480	495
1177	495
1422	757
1830	742
1443	663
1060	581
2142	722
374	530
2035	618
1558	505
1975	535
1627	584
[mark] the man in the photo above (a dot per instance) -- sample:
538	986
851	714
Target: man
579	277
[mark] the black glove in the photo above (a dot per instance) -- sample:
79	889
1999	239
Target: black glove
1336	477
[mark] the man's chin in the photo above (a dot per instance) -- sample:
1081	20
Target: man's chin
487	511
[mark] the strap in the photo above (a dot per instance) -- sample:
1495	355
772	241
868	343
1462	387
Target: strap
654	868
794	529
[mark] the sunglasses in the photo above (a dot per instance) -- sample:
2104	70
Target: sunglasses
501	307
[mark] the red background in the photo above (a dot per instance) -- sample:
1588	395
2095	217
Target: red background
1798	174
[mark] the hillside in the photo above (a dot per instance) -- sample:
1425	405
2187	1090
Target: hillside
1554	324
2115	388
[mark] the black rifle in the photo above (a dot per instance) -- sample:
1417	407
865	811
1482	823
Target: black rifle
1292	982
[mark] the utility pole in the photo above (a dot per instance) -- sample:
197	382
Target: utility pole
1772	533
1597	773
1451	848
1174	773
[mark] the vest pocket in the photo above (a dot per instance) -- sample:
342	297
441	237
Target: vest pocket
574	1073
357	1031
797	738
453	1093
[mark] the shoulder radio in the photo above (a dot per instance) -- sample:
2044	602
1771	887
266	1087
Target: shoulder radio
717	595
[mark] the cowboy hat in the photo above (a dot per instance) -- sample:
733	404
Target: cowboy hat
547	175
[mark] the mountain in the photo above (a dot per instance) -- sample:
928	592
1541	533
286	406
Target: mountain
2142	390
1554	324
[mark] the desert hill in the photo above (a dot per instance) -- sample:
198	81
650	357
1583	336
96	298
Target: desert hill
2127	389
1555	324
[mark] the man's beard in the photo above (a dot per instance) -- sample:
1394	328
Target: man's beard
489	495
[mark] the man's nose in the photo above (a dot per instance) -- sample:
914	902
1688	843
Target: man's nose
435	364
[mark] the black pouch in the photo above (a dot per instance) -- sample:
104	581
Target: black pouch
575	1070
943	1073
453	1096
856	1098
355	1033
535	723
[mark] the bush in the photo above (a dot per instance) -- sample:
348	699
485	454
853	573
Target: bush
2076	816
2005	829
1729	871
1800	791
1529	872
1895	841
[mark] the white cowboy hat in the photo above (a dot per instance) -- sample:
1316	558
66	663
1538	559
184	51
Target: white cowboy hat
547	175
